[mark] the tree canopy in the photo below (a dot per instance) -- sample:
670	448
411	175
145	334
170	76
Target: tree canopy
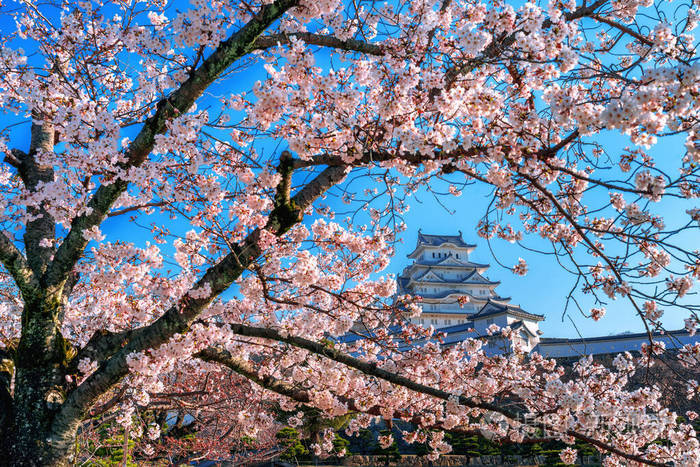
266	151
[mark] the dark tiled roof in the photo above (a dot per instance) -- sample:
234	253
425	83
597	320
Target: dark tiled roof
456	328
437	240
466	281
425	273
473	278
493	307
518	325
637	335
476	278
401	282
449	312
460	263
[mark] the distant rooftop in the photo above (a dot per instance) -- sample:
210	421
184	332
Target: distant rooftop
614	337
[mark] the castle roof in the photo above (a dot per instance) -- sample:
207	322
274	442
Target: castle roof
431	277
462	327
497	307
438	240
456	293
452	261
520	325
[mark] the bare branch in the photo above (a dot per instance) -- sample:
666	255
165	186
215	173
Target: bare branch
102	345
623	28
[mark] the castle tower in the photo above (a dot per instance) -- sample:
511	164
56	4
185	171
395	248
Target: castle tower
456	295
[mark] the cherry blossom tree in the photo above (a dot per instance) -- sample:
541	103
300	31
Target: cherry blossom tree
232	133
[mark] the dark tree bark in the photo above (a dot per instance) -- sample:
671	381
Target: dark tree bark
41	355
40	417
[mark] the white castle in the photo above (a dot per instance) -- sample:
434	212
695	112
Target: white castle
460	302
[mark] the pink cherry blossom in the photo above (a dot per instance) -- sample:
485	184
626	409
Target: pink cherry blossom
201	206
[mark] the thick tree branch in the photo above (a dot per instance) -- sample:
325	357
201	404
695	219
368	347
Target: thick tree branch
372	369
246	369
14	158
178	103
623	28
102	345
349	45
7	369
34	174
16	265
415	158
373	157
178	318
153	204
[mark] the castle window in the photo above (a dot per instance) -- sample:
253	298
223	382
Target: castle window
457	255
433	254
448	321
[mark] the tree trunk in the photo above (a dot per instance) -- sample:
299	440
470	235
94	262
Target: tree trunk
40	387
42	353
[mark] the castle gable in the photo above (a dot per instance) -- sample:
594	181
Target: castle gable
451	261
428	276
